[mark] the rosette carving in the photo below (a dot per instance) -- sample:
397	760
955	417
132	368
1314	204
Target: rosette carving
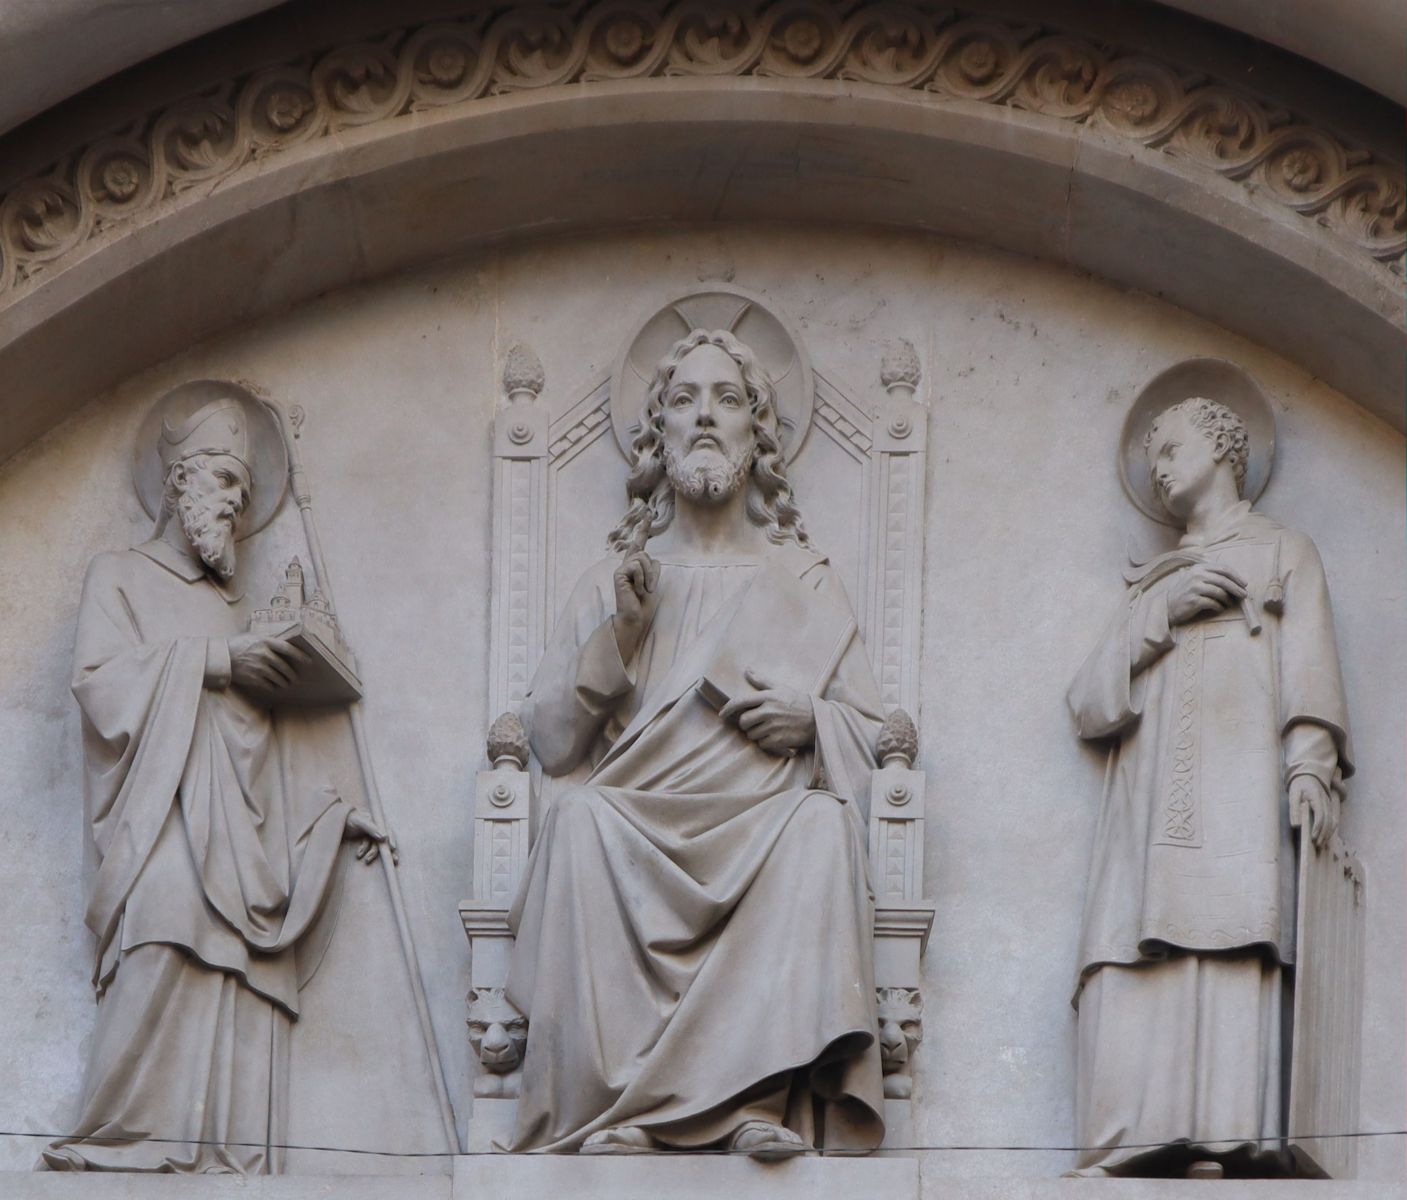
446	65
1137	99
978	61
803	40
624	41
115	177
279	108
946	54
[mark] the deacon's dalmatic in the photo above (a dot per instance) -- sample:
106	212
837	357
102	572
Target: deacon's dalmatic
1218	677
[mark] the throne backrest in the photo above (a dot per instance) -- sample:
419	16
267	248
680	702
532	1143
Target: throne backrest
857	466
856	463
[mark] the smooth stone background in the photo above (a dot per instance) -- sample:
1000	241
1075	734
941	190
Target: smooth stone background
1029	370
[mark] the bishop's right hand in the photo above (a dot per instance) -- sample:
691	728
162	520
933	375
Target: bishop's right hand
1203	590
637	593
264	664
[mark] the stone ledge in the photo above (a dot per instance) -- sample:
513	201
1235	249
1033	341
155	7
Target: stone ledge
682	1177
677	1177
24	1185
44	1185
1162	1189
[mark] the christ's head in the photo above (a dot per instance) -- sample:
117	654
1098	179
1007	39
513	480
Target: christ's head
209	493
708	430
1194	447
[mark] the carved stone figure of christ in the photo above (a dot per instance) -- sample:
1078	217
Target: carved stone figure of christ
1218	680
212	867
694	929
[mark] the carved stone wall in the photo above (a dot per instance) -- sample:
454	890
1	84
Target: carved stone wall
369	146
940	54
1027	371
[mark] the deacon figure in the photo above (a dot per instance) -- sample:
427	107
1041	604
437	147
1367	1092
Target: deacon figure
212	870
695	926
1219	679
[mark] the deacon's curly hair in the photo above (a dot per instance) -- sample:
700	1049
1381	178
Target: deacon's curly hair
1214	420
770	503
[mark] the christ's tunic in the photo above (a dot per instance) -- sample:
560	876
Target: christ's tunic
695	926
1189	928
210	872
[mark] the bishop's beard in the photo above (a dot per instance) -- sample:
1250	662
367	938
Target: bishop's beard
209	526
707	476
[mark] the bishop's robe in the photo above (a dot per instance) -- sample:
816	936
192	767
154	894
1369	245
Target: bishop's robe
695	925
1188	942
211	878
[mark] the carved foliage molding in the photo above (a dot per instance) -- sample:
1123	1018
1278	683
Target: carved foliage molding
137	172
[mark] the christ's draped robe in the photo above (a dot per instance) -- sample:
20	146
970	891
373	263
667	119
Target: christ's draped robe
695	925
211	883
1188	943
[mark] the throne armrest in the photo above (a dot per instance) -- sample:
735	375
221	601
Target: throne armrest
903	917
502	811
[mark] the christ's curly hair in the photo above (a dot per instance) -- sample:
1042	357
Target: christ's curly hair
769	498
1213	419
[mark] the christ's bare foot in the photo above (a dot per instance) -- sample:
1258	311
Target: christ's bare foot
766	1142
626	1139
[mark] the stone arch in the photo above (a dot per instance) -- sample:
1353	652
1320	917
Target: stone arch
287	182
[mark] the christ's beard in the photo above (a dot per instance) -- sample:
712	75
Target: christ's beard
209	526
705	475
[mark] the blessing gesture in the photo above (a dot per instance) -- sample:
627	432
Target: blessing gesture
637	582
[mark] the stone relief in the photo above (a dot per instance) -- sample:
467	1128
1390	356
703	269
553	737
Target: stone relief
214	890
1218	683
117	183
900	1031
498	1034
750	593
703	671
1217	679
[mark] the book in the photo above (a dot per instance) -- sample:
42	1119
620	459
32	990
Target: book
783	631
331	676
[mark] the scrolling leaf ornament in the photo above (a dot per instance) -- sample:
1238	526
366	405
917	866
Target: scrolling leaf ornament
132	176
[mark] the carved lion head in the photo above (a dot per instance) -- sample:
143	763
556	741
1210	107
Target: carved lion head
900	1026
497	1031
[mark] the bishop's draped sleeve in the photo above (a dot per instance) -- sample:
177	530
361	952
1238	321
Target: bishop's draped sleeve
139	701
1106	697
581	678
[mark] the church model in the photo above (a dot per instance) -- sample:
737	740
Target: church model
311	625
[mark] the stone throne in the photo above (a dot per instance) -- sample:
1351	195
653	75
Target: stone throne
858	464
